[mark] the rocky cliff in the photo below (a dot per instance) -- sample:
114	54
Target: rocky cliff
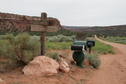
18	23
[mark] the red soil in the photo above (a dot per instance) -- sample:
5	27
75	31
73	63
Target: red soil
111	71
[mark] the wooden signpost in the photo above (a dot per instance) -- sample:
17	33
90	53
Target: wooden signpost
44	25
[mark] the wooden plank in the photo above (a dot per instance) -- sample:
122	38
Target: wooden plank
52	29
44	23
37	28
42	28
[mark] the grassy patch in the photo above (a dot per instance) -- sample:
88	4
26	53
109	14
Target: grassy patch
121	40
103	48
58	45
99	47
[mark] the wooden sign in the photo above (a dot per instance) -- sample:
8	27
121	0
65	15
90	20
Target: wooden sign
44	26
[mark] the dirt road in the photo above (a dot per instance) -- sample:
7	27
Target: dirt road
113	67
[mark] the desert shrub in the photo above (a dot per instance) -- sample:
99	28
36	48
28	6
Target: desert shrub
35	37
53	55
61	38
53	39
29	47
9	37
7	51
7	54
20	49
69	39
93	59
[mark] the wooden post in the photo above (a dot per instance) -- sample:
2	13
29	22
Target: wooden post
43	43
44	25
90	50
43	17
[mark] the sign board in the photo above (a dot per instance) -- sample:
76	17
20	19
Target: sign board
44	25
44	28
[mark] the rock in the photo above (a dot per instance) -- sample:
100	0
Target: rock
2	70
86	63
1	81
41	66
63	65
72	62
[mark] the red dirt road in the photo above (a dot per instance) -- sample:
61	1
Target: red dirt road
113	67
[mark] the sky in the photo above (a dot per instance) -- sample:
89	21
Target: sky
71	12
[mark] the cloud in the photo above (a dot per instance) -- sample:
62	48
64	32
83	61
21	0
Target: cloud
71	12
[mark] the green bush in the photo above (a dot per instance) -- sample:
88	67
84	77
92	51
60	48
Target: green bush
7	54
93	59
19	50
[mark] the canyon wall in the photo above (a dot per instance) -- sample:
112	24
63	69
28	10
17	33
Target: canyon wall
18	23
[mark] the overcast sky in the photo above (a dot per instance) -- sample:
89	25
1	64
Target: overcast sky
71	12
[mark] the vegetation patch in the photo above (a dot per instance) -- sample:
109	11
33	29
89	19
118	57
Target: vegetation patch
53	55
61	38
18	50
103	48
93	59
121	40
58	45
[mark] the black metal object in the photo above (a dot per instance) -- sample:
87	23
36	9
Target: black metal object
81	43
77	47
90	43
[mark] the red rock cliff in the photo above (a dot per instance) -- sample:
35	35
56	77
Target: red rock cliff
18	23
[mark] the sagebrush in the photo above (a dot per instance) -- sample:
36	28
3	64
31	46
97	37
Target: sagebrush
61	38
18	50
93	59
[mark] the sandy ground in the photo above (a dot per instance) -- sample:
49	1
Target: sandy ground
113	67
111	71
75	76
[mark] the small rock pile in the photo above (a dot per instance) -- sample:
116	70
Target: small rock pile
45	66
